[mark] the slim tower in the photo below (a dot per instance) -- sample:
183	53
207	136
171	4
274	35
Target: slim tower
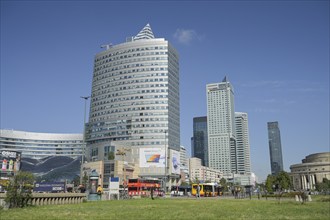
275	147
200	139
242	143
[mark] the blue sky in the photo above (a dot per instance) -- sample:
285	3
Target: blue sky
275	53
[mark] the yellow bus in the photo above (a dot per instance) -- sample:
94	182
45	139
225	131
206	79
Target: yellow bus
206	189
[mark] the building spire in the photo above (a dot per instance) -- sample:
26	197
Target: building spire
145	33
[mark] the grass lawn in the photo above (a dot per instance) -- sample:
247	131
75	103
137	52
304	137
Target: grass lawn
176	209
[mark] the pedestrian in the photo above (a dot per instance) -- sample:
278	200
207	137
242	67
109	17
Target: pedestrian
152	193
82	188
198	191
99	191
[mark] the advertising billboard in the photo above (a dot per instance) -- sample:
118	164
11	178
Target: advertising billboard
10	161
175	162
152	157
49	187
114	185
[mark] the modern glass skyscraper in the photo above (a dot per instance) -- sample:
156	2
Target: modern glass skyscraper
242	143
275	147
221	126
200	139
135	98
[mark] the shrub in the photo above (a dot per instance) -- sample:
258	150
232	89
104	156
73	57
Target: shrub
19	190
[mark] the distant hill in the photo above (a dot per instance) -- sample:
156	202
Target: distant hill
53	168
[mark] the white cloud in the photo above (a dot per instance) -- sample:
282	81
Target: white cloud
289	85
266	110
277	101
186	36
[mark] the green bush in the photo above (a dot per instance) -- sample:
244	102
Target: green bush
19	190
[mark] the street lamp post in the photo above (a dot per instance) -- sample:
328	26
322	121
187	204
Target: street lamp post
165	177
84	140
122	152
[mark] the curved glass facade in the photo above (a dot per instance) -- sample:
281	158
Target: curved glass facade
135	96
40	145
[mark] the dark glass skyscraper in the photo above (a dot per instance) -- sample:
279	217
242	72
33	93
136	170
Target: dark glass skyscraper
275	147
200	146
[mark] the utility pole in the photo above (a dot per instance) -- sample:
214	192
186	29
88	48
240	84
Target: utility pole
165	177
84	141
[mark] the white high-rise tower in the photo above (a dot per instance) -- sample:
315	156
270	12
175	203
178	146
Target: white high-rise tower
135	102
221	126
242	143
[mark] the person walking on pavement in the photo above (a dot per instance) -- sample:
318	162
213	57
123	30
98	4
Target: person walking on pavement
99	191
198	191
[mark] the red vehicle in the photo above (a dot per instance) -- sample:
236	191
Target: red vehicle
143	187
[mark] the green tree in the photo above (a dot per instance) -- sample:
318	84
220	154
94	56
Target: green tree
223	183
270	182
111	155
283	181
19	190
324	186
85	179
279	182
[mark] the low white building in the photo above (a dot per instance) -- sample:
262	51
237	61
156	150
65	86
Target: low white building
202	173
184	165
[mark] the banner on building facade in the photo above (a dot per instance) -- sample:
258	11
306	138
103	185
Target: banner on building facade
152	157
175	161
10	161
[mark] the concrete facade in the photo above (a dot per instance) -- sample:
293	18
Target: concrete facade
221	126
243	164
312	170
203	173
135	100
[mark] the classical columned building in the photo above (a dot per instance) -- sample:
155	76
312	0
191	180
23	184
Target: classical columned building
312	170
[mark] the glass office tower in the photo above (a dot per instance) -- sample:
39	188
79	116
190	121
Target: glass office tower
200	139
135	98
275	147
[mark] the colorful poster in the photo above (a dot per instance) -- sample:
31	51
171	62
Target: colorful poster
175	162
152	157
10	161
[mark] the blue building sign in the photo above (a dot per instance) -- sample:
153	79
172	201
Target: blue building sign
49	187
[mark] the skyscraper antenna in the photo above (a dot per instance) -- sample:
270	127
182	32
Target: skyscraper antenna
107	46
